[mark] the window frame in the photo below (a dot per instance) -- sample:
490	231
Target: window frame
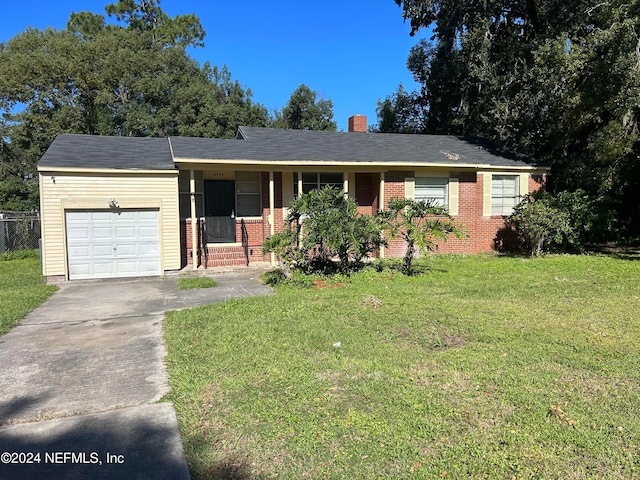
500	199
258	193
445	184
318	184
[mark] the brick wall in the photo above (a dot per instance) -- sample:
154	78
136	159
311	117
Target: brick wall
394	188
357	123
367	190
485	234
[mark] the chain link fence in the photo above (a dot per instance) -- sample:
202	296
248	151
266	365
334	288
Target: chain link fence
19	231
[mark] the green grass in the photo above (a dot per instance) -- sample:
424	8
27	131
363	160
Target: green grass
188	283
22	288
482	367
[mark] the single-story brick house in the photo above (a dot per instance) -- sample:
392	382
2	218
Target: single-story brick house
123	206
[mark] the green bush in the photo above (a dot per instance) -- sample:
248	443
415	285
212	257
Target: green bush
323	225
565	221
541	222
419	223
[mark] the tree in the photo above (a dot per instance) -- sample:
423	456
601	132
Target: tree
556	80
304	112
146	15
401	112
321	225
419	223
130	78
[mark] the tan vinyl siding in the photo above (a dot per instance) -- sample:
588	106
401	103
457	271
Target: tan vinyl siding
60	192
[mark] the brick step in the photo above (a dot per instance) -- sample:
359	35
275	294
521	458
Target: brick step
225	252
226	263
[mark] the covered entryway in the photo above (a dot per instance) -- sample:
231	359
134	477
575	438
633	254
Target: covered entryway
113	243
219	211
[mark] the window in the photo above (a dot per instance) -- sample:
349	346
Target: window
248	202
434	189
311	181
505	194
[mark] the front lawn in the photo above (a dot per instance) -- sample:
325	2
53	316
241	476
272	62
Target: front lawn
22	288
190	283
481	367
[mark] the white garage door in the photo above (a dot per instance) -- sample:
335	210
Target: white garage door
109	244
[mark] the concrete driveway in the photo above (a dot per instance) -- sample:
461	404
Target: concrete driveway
81	375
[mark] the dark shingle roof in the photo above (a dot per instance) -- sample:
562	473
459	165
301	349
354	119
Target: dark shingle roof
272	144
96	151
279	146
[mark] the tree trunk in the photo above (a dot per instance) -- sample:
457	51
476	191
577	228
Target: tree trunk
408	259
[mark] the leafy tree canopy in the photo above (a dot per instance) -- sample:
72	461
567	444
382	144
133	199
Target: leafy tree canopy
130	76
557	80
304	112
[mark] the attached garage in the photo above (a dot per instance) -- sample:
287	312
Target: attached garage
112	244
109	208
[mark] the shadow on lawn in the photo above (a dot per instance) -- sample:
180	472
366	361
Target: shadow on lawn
621	252
232	465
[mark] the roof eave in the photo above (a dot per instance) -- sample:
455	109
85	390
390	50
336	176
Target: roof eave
325	163
140	171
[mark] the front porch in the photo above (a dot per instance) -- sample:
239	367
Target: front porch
236	210
231	254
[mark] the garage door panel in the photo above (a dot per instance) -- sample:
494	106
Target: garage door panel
103	268
128	215
147	248
76	233
147	267
97	216
127	250
102	251
101	233
148	232
77	217
127	267
82	251
126	234
150	215
103	244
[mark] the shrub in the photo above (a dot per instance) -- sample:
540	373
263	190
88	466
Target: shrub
419	223
321	225
541	222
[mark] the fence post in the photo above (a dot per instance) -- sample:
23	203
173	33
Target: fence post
3	239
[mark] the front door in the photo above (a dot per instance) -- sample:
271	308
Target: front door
219	211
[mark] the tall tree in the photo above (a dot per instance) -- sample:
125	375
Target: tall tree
304	112
131	78
401	112
558	80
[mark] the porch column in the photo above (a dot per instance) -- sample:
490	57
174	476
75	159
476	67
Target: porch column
272	208
299	183
345	184
195	257
381	206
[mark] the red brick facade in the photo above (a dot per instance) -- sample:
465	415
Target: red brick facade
485	233
367	191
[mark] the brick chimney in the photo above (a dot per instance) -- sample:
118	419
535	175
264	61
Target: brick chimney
358	123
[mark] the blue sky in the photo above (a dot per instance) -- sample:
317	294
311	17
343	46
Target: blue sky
352	52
